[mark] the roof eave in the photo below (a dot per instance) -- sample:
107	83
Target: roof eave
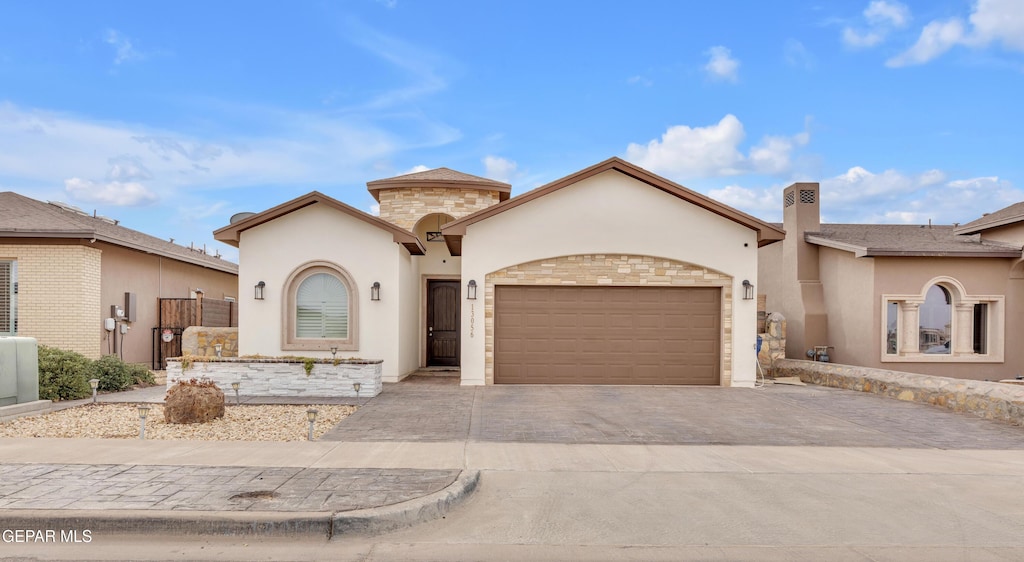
374	187
981	227
879	253
231	234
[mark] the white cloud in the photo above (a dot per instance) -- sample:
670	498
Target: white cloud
640	80
992	21
880	12
999	20
685	151
936	38
881	18
891	196
415	169
128	163
721	65
498	168
757	202
796	54
121	194
124	51
860	40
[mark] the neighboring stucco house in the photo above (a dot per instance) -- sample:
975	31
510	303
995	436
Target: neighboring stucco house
946	300
611	275
61	270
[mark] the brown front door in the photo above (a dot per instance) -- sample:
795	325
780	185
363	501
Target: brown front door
443	323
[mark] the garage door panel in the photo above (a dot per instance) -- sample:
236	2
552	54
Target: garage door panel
607	335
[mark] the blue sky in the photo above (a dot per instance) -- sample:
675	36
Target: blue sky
172	117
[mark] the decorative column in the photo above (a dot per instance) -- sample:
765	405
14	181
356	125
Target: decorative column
910	338
963	329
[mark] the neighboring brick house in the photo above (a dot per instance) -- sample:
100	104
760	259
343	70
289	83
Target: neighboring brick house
61	270
944	300
611	275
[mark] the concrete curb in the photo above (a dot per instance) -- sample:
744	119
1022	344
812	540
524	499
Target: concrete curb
388	518
188	523
245	523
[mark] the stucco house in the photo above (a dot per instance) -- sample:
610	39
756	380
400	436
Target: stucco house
62	270
944	300
611	275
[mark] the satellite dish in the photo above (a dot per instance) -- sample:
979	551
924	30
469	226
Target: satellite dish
240	216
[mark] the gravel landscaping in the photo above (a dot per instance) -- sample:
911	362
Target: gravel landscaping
121	421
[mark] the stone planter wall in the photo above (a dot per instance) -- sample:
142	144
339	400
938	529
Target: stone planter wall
282	376
990	400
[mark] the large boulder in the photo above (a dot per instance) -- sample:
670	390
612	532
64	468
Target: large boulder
193	401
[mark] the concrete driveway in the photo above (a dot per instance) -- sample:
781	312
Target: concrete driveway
438	409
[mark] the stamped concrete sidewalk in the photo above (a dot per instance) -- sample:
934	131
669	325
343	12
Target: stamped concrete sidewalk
421	436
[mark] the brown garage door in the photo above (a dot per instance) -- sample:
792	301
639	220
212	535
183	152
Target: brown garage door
606	335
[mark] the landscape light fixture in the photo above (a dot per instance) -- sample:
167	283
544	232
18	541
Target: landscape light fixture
375	291
748	290
94	384
259	290
311	416
471	290
357	386
143	411
234	386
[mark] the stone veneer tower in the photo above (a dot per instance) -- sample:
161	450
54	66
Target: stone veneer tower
404	200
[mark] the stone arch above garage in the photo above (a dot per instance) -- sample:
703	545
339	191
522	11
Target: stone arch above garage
609	270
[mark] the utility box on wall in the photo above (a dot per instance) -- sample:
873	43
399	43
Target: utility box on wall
19	370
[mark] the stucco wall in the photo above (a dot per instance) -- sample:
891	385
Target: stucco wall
274	250
151	277
58	294
849	290
979	276
612	214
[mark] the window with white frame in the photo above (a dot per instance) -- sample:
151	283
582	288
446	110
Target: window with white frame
942	323
8	297
321	309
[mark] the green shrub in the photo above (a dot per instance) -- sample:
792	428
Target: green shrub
141	374
63	375
115	375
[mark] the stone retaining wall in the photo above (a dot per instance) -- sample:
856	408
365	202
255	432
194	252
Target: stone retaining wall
282	376
202	341
990	400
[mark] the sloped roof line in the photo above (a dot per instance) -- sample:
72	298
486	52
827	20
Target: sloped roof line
440	177
1005	216
24	217
876	240
231	233
766	232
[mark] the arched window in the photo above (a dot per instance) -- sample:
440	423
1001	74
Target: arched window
943	323
321	309
936	321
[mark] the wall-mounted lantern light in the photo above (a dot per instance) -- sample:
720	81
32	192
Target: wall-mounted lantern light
748	290
259	290
375	291
471	290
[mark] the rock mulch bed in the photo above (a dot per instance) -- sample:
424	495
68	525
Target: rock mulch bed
121	421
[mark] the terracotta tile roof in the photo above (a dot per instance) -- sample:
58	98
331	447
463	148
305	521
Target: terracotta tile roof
1002	217
24	217
907	240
